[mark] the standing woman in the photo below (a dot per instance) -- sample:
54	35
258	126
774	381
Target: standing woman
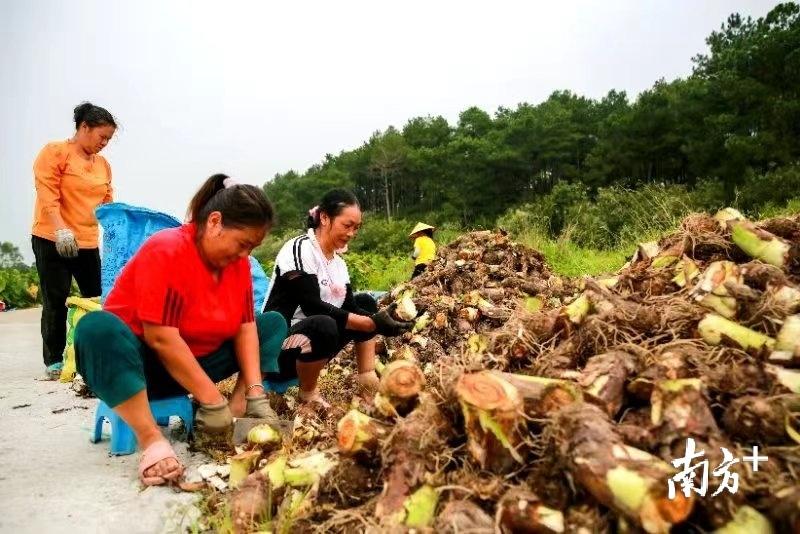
71	179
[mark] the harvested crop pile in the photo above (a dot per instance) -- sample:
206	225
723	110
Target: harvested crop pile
525	402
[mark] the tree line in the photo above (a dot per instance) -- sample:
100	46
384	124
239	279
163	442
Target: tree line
737	115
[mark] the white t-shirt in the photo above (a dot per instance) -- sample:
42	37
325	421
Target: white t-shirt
303	253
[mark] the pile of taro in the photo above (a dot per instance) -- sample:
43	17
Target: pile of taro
527	402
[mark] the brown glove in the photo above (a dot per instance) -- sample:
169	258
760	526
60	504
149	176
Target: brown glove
213	418
258	406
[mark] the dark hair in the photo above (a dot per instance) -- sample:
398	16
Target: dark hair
92	115
428	232
332	205
241	205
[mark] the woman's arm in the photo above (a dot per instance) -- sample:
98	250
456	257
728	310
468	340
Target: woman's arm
110	193
47	179
179	361
306	288
361	323
359	318
245	344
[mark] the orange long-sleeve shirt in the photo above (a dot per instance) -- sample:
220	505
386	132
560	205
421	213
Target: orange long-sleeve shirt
74	186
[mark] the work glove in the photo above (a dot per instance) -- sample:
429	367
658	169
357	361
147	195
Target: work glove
258	406
213	418
387	325
66	246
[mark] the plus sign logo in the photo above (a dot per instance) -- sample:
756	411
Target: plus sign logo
693	475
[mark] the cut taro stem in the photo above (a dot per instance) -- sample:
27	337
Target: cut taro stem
749	520
242	465
357	432
787	343
760	244
716	330
421	507
492	410
401	383
711	291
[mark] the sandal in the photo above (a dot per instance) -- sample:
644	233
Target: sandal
156	452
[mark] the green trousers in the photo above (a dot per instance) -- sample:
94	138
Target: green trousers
116	364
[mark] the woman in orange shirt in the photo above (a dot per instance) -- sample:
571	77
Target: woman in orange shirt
71	179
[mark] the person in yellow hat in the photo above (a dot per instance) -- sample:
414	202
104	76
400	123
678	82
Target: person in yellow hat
424	247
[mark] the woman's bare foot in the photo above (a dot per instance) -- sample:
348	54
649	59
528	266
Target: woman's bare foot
307	397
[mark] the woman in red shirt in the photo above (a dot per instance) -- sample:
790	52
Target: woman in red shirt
180	318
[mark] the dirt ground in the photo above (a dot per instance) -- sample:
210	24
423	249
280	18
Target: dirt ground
52	479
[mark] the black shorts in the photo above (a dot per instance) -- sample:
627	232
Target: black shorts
326	338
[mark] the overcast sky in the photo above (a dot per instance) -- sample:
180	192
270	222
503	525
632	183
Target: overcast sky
256	88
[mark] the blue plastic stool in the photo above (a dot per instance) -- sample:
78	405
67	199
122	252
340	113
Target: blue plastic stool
123	440
280	387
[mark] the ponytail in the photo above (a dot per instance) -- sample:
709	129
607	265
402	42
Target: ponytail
241	205
92	115
332	204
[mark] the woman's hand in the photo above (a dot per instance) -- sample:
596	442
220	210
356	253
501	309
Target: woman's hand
213	418
387	325
66	245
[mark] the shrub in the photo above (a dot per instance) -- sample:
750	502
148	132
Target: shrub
370	271
19	287
616	216
762	190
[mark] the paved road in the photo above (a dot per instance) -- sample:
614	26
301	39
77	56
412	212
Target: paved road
51	478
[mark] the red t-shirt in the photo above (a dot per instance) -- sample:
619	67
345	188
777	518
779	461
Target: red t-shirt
166	283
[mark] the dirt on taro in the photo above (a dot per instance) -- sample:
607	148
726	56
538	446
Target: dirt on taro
524	401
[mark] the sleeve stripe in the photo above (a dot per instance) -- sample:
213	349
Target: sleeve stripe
249	313
173	307
178	311
294	253
300	250
165	309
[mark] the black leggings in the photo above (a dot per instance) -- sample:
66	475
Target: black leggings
55	279
318	338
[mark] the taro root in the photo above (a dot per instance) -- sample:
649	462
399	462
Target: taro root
357	432
753	419
521	510
400	385
412	450
463	516
627	480
604	379
406	310
492	409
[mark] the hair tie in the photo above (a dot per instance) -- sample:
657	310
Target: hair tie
313	212
229	182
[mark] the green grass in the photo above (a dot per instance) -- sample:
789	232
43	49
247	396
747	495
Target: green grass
568	259
792	207
395	272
